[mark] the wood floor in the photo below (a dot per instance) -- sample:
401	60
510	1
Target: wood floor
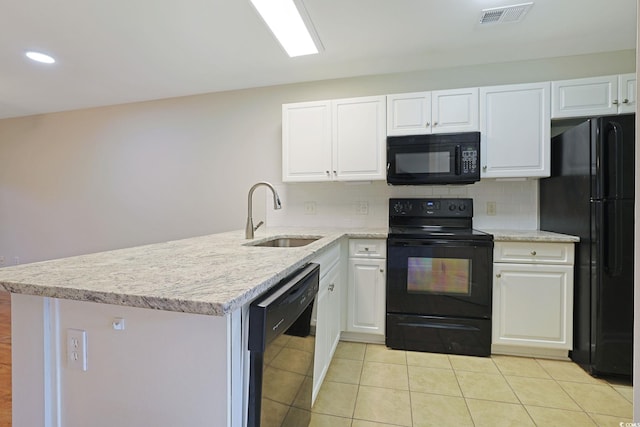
5	359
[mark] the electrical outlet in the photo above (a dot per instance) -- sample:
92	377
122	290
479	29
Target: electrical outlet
16	260
309	208
1	261
77	349
491	208
362	208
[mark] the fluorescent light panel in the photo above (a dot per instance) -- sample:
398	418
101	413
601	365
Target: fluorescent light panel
286	23
40	57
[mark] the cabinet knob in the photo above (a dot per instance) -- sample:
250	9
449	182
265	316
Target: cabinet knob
332	286
381	271
366	249
328	173
626	101
484	168
615	102
335	173
498	275
533	253
435	123
427	125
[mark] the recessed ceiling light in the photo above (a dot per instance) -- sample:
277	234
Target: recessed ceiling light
286	23
40	57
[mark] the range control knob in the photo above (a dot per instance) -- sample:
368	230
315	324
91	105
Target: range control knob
397	207
462	207
452	207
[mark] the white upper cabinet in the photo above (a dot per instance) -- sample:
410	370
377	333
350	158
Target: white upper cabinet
594	96
627	93
441	111
359	139
515	125
306	141
341	139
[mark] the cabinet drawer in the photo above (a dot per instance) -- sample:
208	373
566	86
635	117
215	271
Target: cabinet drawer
369	248
534	252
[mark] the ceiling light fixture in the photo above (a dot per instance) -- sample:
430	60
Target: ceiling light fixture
288	26
40	57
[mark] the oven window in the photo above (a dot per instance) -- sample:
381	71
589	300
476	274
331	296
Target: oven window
439	275
429	162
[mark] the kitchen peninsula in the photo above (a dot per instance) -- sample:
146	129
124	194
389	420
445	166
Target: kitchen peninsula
165	336
165	330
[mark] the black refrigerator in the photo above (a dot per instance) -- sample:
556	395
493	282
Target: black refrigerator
590	194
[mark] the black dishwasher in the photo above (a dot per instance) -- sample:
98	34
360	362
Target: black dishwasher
281	352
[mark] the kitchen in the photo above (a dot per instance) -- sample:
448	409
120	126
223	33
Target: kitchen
62	195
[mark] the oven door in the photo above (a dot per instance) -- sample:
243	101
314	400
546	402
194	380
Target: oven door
439	277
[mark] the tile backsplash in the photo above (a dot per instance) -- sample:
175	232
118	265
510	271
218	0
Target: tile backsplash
341	204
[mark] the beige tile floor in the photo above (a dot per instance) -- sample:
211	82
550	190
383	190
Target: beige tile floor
371	386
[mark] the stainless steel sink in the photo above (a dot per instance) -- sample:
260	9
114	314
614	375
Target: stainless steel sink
286	242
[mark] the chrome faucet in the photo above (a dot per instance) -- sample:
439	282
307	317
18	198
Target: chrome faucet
276	205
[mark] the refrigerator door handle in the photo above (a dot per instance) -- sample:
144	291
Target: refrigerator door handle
618	162
612	236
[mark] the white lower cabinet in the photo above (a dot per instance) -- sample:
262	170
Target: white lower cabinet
366	287
533	298
328	308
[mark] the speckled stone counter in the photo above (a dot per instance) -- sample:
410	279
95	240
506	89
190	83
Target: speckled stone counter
212	275
530	236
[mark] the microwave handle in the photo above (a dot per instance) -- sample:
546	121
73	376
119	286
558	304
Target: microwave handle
457	160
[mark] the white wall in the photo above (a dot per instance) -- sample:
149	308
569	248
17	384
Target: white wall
111	177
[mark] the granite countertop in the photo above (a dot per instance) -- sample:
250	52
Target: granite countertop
500	235
213	275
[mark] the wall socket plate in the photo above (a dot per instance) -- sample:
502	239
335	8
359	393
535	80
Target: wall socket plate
309	208
362	208
77	349
491	208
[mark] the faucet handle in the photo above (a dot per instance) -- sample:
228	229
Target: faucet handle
259	224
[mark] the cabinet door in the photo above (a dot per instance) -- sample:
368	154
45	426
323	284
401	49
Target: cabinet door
359	138
515	126
585	97
409	113
627	93
321	357
306	141
533	305
334	311
328	321
455	110
366	298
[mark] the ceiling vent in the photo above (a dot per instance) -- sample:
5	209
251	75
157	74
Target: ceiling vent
502	14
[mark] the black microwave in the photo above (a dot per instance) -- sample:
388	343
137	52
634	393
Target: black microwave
452	158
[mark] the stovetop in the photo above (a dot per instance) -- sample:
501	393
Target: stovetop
434	232
450	218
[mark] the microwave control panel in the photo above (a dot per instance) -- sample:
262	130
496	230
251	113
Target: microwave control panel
469	160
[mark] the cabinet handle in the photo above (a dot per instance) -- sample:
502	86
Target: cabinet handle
626	101
328	173
366	249
435	123
427	125
498	275
615	102
484	168
533	253
331	286
381	271
335	173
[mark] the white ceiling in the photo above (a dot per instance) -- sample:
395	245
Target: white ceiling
119	51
